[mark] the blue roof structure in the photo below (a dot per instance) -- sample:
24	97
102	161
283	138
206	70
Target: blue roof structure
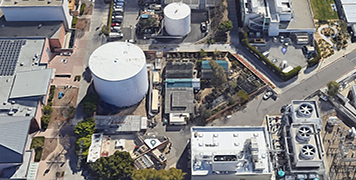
222	63
179	83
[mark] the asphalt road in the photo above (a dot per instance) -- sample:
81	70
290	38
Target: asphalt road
255	110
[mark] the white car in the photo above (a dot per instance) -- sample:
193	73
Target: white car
267	95
266	53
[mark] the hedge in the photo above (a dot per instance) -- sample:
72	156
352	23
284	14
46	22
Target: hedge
315	60
82	8
276	70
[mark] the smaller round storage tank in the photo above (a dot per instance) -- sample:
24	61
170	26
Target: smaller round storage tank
177	19
119	73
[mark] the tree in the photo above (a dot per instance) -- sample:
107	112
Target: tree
85	146
85	127
333	88
243	96
203	53
152	174
90	102
225	26
47	110
118	165
219	77
45	120
148	22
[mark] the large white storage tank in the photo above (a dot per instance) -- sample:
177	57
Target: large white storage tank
177	19
119	73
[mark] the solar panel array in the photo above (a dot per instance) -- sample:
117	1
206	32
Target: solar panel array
9	55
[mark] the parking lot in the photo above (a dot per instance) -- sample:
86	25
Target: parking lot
294	54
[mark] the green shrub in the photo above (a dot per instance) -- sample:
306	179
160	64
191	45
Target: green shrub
37	144
77	78
82	8
276	70
74	22
51	94
45	119
47	110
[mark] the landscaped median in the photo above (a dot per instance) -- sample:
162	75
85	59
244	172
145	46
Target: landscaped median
269	64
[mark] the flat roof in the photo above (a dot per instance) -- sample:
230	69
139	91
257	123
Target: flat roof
16	3
303	18
179	100
28	28
231	150
25	63
112	124
31	83
350	13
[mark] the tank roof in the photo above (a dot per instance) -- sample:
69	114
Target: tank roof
117	61
177	10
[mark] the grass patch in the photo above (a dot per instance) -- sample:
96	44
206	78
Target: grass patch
322	9
37	144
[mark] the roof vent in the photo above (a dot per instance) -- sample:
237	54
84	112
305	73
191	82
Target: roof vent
305	110
308	151
16	2
48	1
304	133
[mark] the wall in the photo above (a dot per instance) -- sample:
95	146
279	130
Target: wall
38	114
39	13
44	56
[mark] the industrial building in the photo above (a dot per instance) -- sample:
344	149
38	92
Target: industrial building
35	10
179	105
177	19
297	147
179	70
120	124
278	16
24	88
119	73
59	37
230	153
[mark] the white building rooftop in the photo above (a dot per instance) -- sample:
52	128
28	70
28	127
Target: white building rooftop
229	152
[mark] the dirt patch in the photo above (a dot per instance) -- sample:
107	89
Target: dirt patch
83	24
88	10
58	117
69	98
50	145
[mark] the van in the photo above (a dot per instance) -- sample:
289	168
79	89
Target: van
266	53
308	49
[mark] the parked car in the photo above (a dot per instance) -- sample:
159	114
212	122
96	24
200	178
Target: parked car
118	13
116	20
122	1
266	53
274	39
115	35
116	28
115	24
120	4
118	9
274	60
203	27
267	95
117	17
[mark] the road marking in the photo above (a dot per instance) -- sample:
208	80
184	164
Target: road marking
353	59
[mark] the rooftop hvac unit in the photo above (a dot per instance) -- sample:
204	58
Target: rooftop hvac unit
307	151
305	110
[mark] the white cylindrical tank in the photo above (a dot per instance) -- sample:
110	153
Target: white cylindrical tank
119	73
177	19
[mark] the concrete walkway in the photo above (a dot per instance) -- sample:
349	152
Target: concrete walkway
327	39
